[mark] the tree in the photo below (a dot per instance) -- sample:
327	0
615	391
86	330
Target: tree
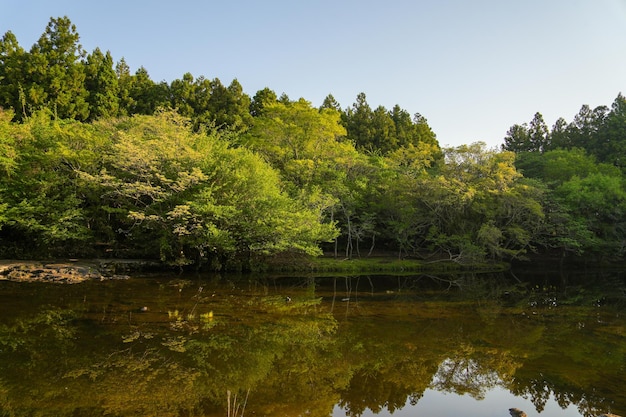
611	136
517	139
294	131
56	76
191	98
598	203
187	197
102	85
284	99
404	129
320	167
43	215
124	83
572	181
528	138
558	136
200	102
229	106
583	130
182	93
383	132
480	207
330	103
12	77
537	134
423	132
147	96
358	122
261	99
8	152
558	166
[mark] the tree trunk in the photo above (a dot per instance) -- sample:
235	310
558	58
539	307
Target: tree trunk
373	243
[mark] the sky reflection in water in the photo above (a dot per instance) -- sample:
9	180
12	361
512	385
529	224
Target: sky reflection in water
495	404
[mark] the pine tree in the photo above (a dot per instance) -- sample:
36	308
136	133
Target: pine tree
12	81
102	84
55	72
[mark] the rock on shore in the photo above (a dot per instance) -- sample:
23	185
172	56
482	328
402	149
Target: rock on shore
69	272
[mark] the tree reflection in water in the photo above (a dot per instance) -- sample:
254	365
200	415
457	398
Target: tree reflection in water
357	346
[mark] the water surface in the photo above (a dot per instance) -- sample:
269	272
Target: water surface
170	345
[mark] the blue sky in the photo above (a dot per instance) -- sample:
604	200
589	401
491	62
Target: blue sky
472	68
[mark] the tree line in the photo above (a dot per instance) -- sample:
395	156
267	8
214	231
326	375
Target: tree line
580	165
97	161
59	75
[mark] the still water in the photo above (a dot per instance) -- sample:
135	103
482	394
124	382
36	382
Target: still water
464	345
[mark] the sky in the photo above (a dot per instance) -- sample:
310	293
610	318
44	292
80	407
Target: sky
472	68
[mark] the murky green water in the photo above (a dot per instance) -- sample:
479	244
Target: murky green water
471	345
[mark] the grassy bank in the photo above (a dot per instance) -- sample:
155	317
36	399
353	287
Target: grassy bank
376	265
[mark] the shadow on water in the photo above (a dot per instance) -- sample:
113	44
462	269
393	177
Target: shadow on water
212	345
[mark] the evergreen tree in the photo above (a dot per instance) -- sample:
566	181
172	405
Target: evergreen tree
124	83
191	98
423	132
12	81
383	132
55	71
147	96
200	102
229	106
238	106
358	122
611	143
330	103
537	134
182	92
102	84
517	139
558	137
403	126
284	99
583	130
261	99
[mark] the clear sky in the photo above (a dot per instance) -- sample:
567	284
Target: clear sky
473	68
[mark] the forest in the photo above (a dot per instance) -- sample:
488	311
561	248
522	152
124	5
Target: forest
96	161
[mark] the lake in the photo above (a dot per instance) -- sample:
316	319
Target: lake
209	345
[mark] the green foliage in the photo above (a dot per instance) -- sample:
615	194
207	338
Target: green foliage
225	179
56	77
599	132
229	106
145	96
584	201
597	202
145	186
581	167
12	82
383	131
560	165
481	206
42	203
189	197
102	84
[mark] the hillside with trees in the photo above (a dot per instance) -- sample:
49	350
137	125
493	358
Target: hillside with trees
97	161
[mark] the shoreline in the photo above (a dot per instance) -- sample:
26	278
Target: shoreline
71	271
